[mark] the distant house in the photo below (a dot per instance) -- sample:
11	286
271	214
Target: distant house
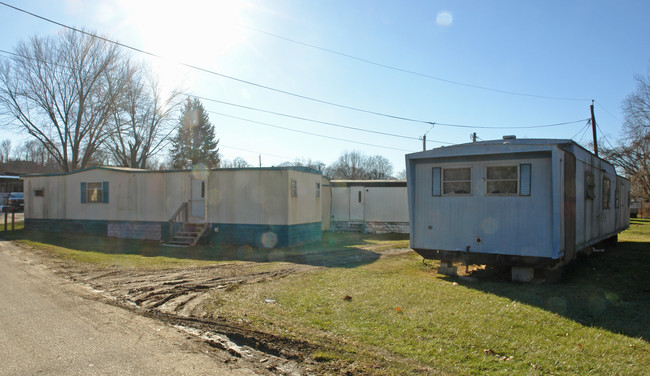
10	183
370	206
265	207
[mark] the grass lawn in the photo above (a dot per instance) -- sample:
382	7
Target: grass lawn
397	316
394	315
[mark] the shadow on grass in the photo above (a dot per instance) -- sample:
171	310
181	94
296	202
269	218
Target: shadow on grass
610	290
334	250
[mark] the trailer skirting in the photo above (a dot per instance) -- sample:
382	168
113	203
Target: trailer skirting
257	235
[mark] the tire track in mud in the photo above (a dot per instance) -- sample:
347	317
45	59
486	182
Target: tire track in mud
177	297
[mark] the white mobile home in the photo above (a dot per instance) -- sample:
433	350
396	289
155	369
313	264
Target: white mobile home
370	206
518	202
270	207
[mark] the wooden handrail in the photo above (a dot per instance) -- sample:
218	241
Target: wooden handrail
178	219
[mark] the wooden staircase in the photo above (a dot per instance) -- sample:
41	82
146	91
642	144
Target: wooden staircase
188	235
356	227
182	233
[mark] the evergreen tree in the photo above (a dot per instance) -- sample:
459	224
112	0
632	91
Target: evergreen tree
195	140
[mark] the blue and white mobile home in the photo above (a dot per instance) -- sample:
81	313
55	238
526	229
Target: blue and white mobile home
517	202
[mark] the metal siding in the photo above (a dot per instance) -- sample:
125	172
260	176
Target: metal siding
386	204
340	204
504	224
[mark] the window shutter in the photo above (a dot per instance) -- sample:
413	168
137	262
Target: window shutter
436	181
83	193
524	179
105	192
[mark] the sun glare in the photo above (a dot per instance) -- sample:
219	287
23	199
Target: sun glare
191	31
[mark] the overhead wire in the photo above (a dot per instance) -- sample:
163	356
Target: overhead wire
586	129
410	71
211	72
335	124
582	129
304	132
258	109
602	135
606	110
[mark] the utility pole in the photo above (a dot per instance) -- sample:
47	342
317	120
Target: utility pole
260	160
593	128
424	143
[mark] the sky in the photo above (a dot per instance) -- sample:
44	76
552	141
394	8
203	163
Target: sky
396	70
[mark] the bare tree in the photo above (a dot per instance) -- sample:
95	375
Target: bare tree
63	91
633	157
238	162
306	162
5	149
143	121
378	168
353	165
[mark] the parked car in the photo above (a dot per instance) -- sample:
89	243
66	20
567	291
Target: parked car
4	205
16	201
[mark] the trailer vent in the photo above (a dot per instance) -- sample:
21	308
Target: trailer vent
510	137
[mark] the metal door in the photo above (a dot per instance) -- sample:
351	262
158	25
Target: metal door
197	200
356	204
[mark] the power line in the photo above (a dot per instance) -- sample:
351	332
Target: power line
511	127
303	118
610	114
602	135
334	124
204	70
254	152
410	71
253	108
304	132
582	129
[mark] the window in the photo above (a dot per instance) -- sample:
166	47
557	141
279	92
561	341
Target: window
39	192
607	189
294	188
457	181
317	189
502	180
94	192
590	186
617	199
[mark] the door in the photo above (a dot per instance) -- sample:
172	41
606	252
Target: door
197	200
356	204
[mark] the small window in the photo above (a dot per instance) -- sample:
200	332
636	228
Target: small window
502	180
39	192
607	190
457	181
203	189
617	199
96	192
294	188
317	189
590	191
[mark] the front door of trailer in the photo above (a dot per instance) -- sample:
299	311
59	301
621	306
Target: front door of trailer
197	200
356	204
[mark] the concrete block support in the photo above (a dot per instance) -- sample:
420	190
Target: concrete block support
522	274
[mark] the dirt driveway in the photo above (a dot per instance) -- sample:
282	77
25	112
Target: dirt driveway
177	296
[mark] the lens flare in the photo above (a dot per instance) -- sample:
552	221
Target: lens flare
444	18
269	239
